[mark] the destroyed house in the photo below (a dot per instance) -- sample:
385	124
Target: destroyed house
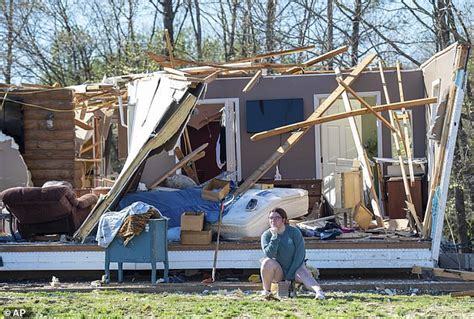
247	140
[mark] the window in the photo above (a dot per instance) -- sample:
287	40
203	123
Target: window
263	115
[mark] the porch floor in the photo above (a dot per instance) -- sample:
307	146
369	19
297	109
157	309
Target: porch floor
369	242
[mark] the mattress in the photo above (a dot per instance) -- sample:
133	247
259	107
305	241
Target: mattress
248	216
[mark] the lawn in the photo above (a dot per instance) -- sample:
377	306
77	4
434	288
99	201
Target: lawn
110	304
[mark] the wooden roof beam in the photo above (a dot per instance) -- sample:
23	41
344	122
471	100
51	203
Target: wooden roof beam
319	58
274	54
366	105
338	116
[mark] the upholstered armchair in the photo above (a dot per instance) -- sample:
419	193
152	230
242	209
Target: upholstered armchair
47	210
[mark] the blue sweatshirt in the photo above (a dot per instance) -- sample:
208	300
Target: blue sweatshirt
286	248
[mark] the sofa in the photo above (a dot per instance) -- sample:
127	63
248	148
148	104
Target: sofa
47	210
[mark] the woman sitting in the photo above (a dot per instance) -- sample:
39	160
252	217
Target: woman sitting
284	250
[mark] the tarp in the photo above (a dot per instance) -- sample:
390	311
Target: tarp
173	204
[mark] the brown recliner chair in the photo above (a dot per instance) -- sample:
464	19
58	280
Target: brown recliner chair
47	210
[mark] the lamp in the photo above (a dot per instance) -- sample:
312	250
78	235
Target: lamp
50	121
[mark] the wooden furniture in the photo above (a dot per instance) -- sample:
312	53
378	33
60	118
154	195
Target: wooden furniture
396	197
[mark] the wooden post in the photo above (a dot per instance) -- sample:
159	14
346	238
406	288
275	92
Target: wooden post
418	224
189	149
189	171
252	81
367	105
294	138
194	156
406	123
317	59
96	141
361	154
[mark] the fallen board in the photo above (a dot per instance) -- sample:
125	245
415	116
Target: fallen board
196	154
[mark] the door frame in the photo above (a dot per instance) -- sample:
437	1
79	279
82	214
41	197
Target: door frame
317	129
232	114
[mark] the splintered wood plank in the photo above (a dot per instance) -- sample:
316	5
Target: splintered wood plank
445	273
212	67
163	60
406	123
406	187
339	116
189	171
294	138
189	149
211	77
194	156
274	54
83	125
175	72
318	59
367	105
252	81
361	154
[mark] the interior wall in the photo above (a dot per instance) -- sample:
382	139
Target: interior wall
440	67
299	161
157	166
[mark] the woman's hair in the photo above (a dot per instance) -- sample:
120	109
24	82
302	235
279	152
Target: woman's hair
282	213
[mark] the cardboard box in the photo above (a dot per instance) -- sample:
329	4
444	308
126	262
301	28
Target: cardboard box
362	216
196	237
216	190
193	221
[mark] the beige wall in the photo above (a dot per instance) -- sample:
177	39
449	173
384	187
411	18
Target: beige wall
440	67
300	160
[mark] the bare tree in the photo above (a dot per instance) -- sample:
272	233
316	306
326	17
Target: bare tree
355	36
15	15
379	31
195	17
168	12
248	42
228	17
8	11
270	25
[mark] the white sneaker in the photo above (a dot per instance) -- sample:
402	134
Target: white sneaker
319	295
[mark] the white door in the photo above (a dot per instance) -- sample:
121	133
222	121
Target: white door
336	142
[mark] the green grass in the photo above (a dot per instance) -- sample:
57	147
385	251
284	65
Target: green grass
116	304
